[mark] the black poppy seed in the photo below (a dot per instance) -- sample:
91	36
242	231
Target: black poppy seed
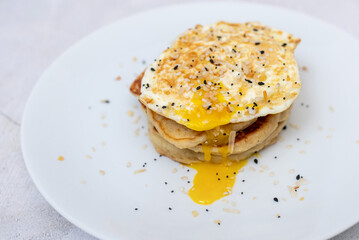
283	98
163	107
227	92
211	49
234	173
257	43
252	108
275	199
205	82
234	50
260	83
219	37
224	134
230	56
232	70
284	44
170	208
255	161
152	69
166	183
219	179
242	193
243	180
255	29
206	69
172	191
188	181
248	80
136	209
217	173
239	112
262	51
192	60
172	104
187	120
255	104
247	107
240	93
231	84
275	157
207	210
285	127
227	176
209	107
298	139
211	60
198	88
187	170
297	177
268	100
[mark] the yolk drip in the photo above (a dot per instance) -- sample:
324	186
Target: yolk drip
214	181
217	137
201	118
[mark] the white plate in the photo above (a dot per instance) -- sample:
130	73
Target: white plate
64	117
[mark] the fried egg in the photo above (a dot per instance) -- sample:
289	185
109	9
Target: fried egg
223	73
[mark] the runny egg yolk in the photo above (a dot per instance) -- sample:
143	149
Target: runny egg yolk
214	181
203	117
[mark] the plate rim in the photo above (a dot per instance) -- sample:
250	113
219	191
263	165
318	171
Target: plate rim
68	50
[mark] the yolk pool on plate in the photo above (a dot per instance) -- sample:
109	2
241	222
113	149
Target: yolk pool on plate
214	181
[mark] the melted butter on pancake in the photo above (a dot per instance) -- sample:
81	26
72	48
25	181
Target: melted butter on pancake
223	73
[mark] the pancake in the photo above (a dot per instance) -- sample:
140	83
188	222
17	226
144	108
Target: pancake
221	92
187	156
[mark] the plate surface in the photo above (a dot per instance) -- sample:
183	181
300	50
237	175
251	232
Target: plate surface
103	145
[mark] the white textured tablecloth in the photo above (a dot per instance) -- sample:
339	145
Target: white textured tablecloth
32	35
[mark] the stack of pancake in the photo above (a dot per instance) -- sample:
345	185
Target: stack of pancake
221	91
